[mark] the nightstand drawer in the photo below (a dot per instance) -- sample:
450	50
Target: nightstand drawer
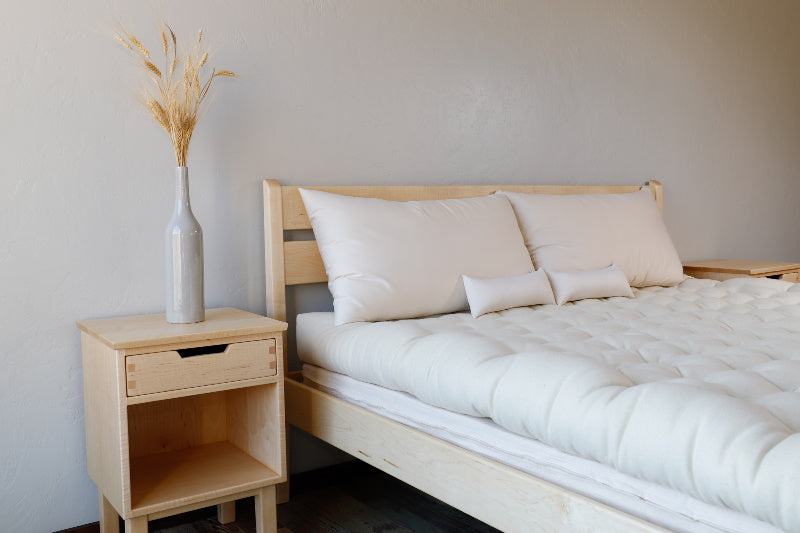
195	367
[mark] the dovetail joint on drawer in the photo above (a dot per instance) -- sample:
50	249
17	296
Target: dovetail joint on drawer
172	370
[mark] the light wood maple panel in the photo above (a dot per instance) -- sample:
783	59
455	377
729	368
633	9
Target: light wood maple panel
192	475
295	216
207	389
253	417
167	371
148	331
105	420
303	263
178	423
741	267
273	250
109	519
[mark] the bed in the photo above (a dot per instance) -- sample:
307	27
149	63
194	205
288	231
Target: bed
509	498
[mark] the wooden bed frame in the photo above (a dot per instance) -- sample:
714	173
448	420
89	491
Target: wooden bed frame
499	495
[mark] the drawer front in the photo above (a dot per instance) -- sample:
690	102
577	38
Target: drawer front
194	367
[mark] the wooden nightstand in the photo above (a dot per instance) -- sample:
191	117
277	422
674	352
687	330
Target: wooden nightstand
184	416
722	269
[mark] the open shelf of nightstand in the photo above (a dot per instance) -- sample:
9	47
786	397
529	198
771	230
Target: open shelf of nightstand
182	477
195	448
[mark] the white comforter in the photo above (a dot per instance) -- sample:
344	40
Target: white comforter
696	387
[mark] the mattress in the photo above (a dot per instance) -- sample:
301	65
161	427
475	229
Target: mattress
694	387
660	505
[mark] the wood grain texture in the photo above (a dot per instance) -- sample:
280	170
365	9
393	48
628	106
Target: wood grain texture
109	519
494	493
153	330
169	481
166	371
273	250
741	267
295	216
207	389
105	421
256	425
303	263
178	423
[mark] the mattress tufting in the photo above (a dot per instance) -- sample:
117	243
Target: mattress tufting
696	387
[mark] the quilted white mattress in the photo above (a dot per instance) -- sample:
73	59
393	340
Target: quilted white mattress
695	387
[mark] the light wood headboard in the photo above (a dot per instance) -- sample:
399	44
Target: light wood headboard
299	262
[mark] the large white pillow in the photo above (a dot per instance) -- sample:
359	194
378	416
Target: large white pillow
576	232
387	260
495	294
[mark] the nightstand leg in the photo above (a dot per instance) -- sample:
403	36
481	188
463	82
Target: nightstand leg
226	512
266	515
136	525
109	519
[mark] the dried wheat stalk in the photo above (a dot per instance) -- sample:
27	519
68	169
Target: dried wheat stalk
178	96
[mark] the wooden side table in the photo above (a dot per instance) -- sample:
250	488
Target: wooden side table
722	269
184	416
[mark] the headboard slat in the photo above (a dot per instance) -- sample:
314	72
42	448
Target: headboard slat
295	216
303	263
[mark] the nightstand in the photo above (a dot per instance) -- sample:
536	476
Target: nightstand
722	269
184	416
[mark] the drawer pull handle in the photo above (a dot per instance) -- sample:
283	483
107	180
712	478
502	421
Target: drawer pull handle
202	350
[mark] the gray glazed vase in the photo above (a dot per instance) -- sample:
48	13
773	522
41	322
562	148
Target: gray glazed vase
184	258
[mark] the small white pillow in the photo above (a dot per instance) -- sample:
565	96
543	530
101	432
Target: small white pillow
388	260
602	283
489	295
575	232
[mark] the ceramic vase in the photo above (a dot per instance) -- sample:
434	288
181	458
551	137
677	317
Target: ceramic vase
184	258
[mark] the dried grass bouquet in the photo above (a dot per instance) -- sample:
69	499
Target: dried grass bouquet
178	95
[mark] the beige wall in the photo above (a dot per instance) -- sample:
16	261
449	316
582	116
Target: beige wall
702	95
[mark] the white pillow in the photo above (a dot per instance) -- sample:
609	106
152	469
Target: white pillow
387	260
590	231
489	295
602	283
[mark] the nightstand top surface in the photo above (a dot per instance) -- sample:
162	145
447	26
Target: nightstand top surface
151	330
739	266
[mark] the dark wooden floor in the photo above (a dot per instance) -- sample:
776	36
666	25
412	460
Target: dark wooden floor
352	497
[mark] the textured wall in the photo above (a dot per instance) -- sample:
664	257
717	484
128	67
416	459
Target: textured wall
702	95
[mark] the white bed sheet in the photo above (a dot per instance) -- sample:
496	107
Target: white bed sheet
660	505
694	387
